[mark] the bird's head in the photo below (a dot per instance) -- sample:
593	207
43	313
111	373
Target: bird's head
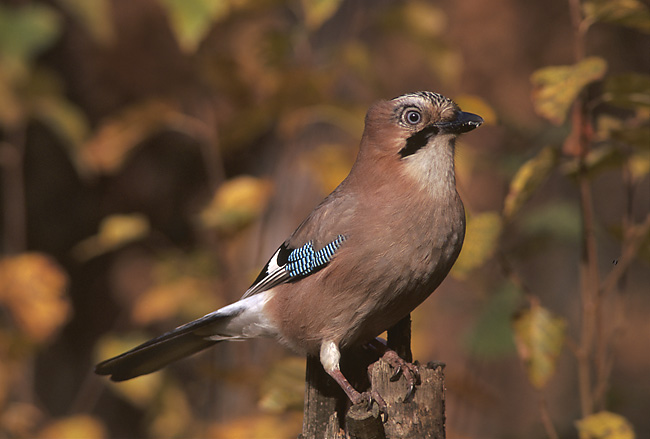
416	132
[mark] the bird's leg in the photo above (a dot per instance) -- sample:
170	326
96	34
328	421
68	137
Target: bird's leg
329	358
400	366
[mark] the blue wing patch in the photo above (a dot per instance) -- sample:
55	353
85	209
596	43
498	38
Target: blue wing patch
288	265
304	260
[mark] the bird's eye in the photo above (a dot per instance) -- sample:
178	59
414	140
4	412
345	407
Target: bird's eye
412	117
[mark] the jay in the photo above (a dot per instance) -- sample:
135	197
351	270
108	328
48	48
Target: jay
364	258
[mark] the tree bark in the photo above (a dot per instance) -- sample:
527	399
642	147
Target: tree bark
328	414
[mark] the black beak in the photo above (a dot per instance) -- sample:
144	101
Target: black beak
464	122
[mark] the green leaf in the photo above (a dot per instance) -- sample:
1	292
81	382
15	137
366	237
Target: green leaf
527	179
560	220
191	20
605	425
491	336
630	13
539	337
95	15
557	87
24	33
47	103
597	160
630	90
481	238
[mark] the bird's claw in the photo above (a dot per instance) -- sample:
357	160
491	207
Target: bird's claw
401	367
370	397
410	391
396	374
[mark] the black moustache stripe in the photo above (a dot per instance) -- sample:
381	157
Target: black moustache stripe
418	140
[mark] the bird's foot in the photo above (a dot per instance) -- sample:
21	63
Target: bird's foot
368	398
402	367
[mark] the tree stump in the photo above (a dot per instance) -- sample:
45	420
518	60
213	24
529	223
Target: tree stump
328	414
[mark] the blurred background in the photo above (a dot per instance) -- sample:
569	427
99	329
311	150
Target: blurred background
154	153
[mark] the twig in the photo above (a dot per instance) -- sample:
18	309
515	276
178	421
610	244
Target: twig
12	154
546	417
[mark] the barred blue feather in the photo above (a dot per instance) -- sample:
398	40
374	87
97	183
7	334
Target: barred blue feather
305	260
292	264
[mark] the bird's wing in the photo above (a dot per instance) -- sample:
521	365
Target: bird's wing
290	264
312	245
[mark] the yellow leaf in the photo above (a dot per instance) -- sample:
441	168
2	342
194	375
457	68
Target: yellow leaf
237	203
483	231
183	286
12	107
557	87
330	164
191	20
95	15
477	105
33	288
170	299
19	419
114	232
118	136
630	13
424	19
174	415
286	426
527	180
539	337
74	427
139	391
318	12
639	165
348	120
605	425
283	386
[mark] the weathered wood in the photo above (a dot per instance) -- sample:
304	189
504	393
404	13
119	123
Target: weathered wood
328	414
423	416
362	423
322	395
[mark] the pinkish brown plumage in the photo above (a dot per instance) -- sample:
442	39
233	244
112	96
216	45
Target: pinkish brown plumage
368	255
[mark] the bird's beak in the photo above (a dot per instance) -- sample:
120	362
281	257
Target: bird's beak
464	122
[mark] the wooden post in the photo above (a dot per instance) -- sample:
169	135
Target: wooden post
328	414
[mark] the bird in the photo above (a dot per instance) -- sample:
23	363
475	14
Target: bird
362	260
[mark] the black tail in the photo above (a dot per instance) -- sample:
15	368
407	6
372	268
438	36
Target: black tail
160	351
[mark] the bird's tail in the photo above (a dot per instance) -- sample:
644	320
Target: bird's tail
160	351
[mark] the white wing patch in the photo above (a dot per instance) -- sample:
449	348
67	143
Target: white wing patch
291	264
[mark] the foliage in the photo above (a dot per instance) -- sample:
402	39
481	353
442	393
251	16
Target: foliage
539	336
33	289
605	425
